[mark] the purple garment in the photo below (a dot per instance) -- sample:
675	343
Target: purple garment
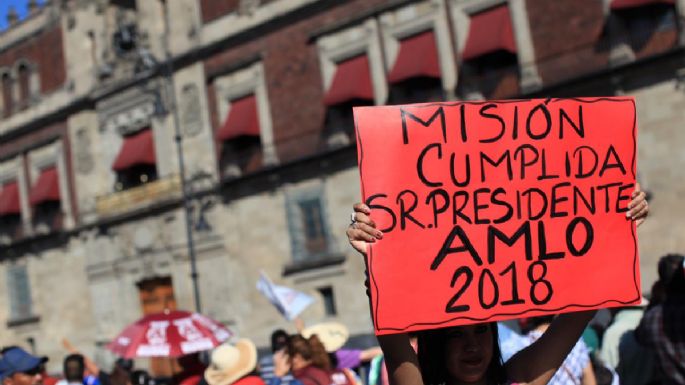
348	358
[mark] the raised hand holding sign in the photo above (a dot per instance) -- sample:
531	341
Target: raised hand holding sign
494	210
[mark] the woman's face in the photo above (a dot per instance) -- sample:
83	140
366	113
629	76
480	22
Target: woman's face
469	352
298	362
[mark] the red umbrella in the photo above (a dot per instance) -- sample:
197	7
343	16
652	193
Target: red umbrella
169	334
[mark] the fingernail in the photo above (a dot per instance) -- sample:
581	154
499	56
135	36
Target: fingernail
379	235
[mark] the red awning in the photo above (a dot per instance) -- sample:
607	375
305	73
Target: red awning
46	188
625	4
418	57
352	80
9	199
490	31
242	119
137	149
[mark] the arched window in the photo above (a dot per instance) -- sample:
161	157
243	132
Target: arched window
24	76
7	97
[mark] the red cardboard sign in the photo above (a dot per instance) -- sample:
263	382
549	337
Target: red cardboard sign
497	210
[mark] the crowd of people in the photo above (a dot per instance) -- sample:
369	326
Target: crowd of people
639	345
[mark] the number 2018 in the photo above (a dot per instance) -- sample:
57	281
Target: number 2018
536	277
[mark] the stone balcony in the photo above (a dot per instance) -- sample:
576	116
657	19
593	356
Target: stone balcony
140	197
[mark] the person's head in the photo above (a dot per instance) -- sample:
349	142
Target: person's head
231	362
191	362
668	265
17	367
74	368
124	364
121	372
462	354
307	351
279	340
672	274
140	377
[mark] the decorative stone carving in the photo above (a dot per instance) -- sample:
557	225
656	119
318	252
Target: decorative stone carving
191	113
84	159
129	111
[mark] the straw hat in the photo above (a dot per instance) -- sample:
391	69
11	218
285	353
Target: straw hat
332	335
231	362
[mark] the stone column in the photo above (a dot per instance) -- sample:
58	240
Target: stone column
62	173
530	79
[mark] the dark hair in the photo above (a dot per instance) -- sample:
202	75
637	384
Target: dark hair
671	273
72	373
431	353
124	363
310	349
668	265
279	340
140	377
672	307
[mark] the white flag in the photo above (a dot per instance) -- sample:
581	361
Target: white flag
290	303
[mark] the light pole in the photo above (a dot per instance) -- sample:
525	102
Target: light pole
168	75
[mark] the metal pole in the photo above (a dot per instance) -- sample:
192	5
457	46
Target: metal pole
168	74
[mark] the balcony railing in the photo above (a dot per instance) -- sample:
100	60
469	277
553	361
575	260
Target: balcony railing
139	197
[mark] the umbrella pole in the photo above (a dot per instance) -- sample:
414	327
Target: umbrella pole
168	74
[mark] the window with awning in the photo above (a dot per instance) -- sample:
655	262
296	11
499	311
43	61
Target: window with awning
242	119
136	162
239	138
138	149
352	81
628	4
9	199
418	57
649	27
46	188
490	31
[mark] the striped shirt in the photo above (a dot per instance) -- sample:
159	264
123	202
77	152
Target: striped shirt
571	370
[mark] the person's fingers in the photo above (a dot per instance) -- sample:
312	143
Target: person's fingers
361	208
369	230
639	222
363	218
638	208
638	197
355	233
642	213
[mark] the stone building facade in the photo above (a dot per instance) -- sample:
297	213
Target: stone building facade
93	227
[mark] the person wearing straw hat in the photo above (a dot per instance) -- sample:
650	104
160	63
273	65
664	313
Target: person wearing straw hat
234	364
333	336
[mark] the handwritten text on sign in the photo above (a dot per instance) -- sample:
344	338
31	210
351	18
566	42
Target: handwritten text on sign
494	210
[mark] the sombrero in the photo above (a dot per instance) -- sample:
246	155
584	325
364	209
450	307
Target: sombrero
332	335
230	362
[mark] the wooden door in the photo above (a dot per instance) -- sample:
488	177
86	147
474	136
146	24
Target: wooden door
156	295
